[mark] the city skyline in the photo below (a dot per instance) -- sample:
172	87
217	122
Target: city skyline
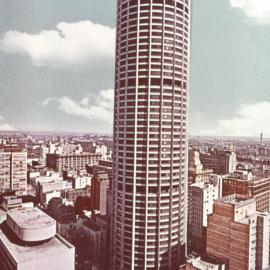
49	87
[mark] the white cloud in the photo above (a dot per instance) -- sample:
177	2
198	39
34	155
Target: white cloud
258	10
70	43
250	120
1	117
94	108
6	127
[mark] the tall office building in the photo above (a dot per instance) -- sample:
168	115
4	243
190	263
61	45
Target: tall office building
13	172
150	141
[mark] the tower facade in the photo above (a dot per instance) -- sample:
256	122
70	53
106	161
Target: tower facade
150	140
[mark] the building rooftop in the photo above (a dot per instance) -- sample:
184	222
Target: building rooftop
202	185
237	200
203	265
84	154
21	254
30	218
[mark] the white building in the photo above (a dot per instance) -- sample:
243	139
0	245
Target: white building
202	197
36	245
150	134
48	190
80	182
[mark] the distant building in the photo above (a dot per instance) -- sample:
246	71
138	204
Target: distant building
100	184
73	194
13	172
80	181
91	238
46	191
71	162
246	184
238	235
196	172
49	177
14	147
200	206
221	162
63	212
28	241
103	165
11	202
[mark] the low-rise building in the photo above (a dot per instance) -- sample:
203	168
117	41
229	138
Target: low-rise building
46	191
28	241
73	194
10	202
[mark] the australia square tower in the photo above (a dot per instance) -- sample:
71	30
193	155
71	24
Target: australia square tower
150	134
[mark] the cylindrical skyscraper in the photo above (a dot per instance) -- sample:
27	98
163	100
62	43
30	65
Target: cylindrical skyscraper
150	136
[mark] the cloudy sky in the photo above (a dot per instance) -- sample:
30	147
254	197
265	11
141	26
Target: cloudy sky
57	61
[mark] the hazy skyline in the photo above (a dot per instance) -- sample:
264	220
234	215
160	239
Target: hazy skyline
57	66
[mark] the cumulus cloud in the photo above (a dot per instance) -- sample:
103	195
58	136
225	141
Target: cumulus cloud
92	108
257	10
68	44
250	120
5	126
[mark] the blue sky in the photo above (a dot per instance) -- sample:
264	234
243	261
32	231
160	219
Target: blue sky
57	66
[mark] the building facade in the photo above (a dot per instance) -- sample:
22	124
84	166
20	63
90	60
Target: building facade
238	235
71	162
201	204
100	184
246	184
221	162
150	134
196	172
13	172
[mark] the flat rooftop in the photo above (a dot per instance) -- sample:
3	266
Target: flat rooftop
199	263
237	200
21	254
30	218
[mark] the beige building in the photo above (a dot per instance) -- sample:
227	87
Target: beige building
13	172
